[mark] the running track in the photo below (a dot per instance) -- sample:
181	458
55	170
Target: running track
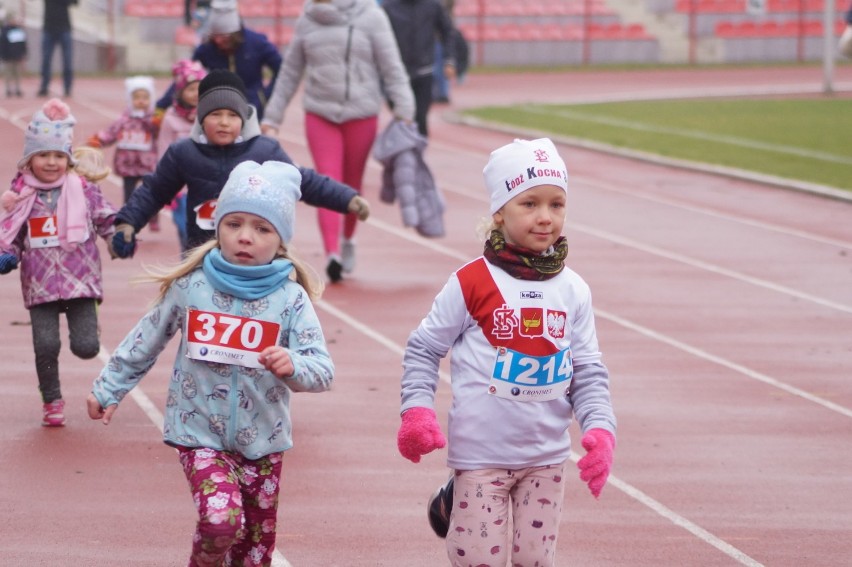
724	311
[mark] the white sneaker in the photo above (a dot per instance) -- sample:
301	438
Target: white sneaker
347	255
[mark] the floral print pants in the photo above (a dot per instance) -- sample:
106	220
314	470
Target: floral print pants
237	503
487	502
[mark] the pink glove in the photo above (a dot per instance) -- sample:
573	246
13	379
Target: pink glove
594	467
419	434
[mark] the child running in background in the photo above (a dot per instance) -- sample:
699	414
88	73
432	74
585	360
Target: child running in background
525	358
177	124
250	337
50	221
135	137
226	132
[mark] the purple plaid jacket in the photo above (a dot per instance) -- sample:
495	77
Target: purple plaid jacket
53	274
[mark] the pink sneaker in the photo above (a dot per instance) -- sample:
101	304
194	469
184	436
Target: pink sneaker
54	414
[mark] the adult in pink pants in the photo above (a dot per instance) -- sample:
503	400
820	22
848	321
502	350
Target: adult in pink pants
351	59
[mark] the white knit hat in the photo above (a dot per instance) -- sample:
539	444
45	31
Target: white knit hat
269	190
522	165
138	83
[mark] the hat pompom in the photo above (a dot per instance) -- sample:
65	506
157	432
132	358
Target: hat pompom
55	109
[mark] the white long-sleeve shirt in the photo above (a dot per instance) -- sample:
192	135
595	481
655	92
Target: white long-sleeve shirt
525	359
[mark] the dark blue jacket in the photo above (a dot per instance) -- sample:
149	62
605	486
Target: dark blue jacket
204	169
415	24
254	53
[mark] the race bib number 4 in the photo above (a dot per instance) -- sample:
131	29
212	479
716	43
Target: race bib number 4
526	378
43	232
218	337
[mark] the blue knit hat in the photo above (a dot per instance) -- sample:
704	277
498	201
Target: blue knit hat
269	191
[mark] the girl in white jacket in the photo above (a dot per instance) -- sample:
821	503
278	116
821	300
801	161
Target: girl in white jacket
525	361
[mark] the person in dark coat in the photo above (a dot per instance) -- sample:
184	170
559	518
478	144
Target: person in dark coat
415	24
230	45
56	29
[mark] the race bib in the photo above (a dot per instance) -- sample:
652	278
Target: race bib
43	232
204	215
526	378
138	140
229	339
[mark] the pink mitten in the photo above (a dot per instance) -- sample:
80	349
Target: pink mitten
419	434
594	467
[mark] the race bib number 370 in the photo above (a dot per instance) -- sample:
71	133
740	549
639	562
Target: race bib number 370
219	337
527	378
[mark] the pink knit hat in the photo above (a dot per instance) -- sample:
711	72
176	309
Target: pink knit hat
186	71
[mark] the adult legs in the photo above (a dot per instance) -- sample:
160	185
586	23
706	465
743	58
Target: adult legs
358	138
67	61
48	44
325	141
422	88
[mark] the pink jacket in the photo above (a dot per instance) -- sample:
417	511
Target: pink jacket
53	274
135	139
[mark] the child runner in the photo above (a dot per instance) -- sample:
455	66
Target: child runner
134	135
177	124
50	221
225	133
525	358
249	338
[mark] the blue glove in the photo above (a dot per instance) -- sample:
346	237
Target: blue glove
123	243
8	262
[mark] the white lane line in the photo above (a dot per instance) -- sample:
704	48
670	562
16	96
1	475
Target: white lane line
706	266
771	227
149	408
625	487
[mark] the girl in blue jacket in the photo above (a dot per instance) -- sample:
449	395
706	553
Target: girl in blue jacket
249	338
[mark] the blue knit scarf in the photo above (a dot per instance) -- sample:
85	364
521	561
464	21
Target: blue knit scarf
245	282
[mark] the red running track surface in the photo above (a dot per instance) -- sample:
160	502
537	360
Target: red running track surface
724	310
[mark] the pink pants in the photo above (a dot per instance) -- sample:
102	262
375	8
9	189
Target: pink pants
339	151
486	502
237	503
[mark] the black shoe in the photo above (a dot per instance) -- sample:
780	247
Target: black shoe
334	269
42	92
441	100
439	507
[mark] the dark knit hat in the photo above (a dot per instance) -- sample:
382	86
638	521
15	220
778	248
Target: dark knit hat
222	89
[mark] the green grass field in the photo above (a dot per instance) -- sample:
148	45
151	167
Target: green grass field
802	139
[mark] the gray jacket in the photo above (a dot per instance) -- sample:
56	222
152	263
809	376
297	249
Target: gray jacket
349	53
399	148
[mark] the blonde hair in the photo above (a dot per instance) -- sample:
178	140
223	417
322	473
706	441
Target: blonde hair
165	276
89	163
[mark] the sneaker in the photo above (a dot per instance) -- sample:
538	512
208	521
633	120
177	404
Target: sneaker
439	507
54	414
347	255
334	269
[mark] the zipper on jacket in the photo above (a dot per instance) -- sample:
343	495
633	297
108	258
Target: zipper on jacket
346	59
